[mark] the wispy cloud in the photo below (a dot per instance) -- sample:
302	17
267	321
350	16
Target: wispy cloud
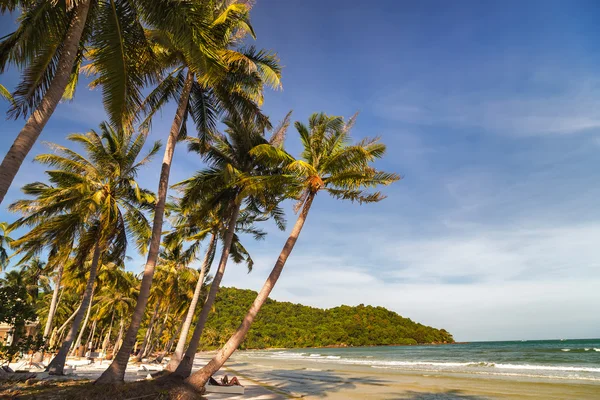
534	109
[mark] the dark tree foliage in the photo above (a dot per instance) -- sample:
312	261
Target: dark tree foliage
16	311
283	324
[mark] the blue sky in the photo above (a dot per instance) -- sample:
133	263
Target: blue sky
489	111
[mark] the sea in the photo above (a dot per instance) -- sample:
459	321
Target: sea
554	360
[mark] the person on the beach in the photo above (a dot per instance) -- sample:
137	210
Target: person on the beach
226	382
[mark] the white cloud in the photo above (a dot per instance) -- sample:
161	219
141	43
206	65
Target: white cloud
486	284
500	255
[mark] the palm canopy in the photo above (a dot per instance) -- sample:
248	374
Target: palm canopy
5	242
91	198
113	39
174	279
5	94
116	292
36	276
234	174
193	225
330	162
215	91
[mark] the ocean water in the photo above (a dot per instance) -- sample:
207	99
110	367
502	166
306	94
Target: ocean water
577	359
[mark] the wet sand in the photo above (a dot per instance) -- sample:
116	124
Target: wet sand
293	379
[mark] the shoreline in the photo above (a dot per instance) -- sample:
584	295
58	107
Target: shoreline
341	347
294	379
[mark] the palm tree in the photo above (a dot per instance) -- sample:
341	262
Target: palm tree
52	40
5	241
203	90
234	176
5	94
57	258
116	297
194	227
110	273
197	236
329	163
175	281
35	275
95	201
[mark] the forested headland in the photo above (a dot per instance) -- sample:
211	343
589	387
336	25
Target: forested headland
284	324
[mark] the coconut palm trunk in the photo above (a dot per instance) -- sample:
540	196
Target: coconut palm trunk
170	343
85	322
39	356
64	325
38	119
199	378
96	343
120	336
159	333
89	343
116	371
106	340
176	357
184	368
53	303
57	365
148	334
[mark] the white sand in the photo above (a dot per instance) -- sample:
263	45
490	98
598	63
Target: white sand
271	379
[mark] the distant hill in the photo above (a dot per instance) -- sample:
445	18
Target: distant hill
284	324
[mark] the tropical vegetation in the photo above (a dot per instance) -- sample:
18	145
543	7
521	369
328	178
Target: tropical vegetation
67	255
286	325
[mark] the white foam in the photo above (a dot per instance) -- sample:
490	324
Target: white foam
547	368
437	365
496	373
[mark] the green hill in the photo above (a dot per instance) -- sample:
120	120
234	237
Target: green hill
284	324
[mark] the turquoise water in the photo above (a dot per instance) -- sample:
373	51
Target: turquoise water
549	359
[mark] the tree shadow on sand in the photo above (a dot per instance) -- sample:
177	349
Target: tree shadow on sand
448	395
321	383
313	383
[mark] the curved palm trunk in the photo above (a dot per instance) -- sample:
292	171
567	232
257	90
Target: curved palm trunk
57	365
116	371
85	322
89	343
38	119
53	303
184	368
199	378
142	352
169	344
96	343
107	337
159	333
185	329
119	337
39	355
64	325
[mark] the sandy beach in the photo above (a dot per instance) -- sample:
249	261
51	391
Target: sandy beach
271	379
277	379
